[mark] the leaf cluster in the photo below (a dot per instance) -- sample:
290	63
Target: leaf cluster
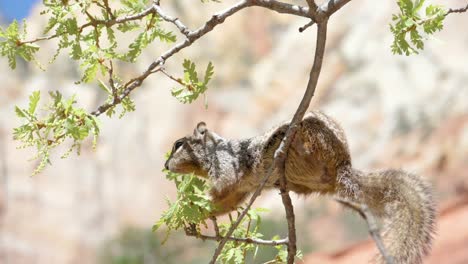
411	25
89	31
94	42
11	45
192	85
193	206
63	121
237	252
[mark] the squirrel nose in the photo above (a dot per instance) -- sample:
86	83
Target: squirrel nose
166	165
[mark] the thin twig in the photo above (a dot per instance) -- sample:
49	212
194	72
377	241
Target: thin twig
111	80
283	8
306	26
109	23
332	6
458	10
312	6
365	213
174	20
108	9
193	36
215	225
247	240
314	10
95	22
177	80
39	39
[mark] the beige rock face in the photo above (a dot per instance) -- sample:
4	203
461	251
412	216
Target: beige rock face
408	112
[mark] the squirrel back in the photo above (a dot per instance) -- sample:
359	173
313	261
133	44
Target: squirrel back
318	161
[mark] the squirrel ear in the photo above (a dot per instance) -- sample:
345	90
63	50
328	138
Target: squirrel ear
201	128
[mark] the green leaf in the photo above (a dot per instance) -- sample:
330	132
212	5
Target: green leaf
20	113
418	5
104	87
33	100
128	105
76	51
90	71
50	25
190	73
209	72
192	88
135	5
145	38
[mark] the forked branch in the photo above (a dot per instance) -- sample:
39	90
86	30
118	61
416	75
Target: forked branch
321	17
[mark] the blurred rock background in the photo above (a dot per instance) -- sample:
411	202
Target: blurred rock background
402	112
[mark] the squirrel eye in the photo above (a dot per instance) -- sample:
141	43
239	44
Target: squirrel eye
178	144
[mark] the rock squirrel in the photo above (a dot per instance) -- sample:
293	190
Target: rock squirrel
318	161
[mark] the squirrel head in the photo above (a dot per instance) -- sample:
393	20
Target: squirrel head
192	154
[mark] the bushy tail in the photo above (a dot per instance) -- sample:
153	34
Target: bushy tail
404	201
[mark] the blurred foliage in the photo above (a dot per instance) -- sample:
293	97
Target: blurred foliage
354	226
133	245
138	246
412	23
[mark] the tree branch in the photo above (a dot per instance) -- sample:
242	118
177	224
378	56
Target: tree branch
109	23
248	240
312	6
332	6
283	8
174	20
457	10
111	80
280	154
191	38
365	213
306	26
215	225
